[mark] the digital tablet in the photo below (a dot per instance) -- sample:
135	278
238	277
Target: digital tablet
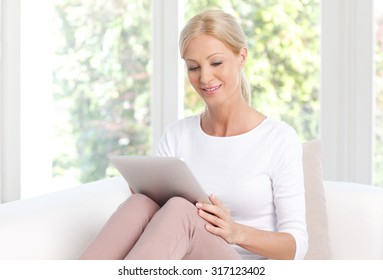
160	178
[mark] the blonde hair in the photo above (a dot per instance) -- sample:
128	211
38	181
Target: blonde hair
223	27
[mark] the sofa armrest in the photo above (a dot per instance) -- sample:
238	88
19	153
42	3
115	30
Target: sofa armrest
58	225
355	220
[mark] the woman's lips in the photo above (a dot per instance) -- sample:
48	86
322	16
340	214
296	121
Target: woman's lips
211	90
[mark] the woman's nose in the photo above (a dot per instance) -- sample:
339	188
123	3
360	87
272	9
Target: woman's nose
206	76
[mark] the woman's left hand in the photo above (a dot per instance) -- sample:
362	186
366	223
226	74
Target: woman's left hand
219	218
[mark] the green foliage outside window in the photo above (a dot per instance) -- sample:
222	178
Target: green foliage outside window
101	84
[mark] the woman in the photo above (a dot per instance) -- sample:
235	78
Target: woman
251	164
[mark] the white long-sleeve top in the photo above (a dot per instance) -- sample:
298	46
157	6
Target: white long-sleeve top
258	175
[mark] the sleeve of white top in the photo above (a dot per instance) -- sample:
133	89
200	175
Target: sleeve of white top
286	173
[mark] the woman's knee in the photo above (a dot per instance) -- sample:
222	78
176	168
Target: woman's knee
140	203
178	208
179	204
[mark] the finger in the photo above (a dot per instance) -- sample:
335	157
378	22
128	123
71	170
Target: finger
214	230
207	207
210	218
214	200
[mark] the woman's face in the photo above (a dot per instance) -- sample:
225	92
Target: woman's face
214	70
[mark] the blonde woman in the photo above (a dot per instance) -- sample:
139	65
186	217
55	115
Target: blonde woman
251	164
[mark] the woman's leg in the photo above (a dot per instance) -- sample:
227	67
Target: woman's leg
176	231
123	229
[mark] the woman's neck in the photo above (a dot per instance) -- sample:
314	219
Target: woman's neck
231	121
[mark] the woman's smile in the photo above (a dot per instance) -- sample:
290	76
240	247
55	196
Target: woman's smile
211	90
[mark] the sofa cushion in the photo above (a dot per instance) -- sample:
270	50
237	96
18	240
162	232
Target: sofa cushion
58	225
316	213
355	221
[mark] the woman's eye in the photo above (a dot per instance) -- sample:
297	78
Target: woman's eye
216	63
192	68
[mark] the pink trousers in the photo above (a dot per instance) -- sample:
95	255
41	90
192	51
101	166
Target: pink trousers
140	229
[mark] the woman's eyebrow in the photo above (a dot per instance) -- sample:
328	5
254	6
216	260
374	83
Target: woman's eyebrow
213	54
209	56
189	59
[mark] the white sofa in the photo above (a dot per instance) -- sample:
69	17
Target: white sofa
59	225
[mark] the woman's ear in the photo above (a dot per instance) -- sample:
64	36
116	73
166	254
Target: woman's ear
243	56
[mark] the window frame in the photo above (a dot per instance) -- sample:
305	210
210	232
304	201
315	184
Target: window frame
10	161
167	100
346	90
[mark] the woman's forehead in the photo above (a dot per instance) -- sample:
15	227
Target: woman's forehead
204	46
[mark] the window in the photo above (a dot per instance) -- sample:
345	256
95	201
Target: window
283	61
86	89
378	159
94	56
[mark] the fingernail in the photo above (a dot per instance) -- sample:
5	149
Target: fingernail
198	205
